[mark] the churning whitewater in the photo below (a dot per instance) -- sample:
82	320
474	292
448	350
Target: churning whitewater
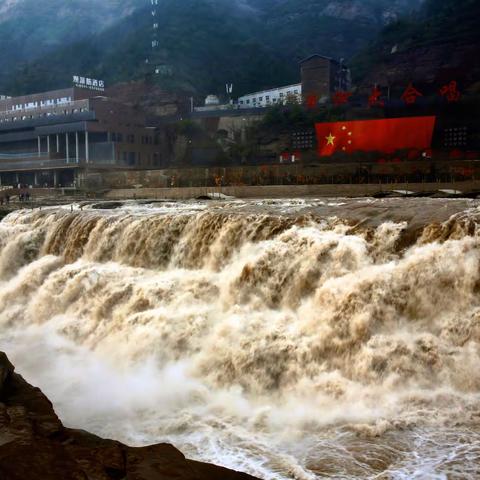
288	339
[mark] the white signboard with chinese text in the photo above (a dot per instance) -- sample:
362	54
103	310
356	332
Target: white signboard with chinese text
90	83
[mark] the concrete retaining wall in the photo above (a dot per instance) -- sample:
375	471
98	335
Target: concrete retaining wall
286	191
285	175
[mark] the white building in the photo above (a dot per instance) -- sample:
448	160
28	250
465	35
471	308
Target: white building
273	96
212	102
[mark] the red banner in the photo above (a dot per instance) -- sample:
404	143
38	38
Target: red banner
387	135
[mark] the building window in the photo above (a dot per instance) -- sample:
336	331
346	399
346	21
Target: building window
281	94
248	101
267	98
260	99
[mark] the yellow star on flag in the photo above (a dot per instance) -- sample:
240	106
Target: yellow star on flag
330	139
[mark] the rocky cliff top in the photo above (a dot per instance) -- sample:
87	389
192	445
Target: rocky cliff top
35	445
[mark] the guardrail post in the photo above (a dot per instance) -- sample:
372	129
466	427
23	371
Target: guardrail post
77	153
87	153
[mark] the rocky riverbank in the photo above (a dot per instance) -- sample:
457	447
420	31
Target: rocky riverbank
35	445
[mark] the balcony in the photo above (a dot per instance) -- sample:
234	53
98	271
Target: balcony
36	163
100	154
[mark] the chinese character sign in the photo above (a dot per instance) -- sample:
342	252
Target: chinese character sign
374	98
341	98
312	101
450	92
411	94
155	29
90	83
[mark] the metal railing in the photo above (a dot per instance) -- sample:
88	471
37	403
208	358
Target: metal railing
100	153
41	163
9	156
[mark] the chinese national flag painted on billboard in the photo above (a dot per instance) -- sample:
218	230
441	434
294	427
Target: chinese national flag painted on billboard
386	135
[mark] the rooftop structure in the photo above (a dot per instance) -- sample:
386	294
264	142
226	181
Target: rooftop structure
47	138
273	96
322	76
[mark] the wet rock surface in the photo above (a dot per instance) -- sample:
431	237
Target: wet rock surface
35	445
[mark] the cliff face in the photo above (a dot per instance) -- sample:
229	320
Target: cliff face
428	64
336	28
150	98
35	445
438	45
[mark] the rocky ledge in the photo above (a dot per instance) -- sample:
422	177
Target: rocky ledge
34	445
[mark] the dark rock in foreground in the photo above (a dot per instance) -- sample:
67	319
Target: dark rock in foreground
34	445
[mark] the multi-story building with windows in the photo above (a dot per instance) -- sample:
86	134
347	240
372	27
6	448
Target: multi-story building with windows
50	138
274	96
322	76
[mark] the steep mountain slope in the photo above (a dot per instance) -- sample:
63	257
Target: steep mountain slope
206	43
439	44
30	29
203	44
338	28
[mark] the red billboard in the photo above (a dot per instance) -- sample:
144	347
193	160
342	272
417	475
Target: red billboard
386	135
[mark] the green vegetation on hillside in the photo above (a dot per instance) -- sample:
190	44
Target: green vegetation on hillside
30	29
207	43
